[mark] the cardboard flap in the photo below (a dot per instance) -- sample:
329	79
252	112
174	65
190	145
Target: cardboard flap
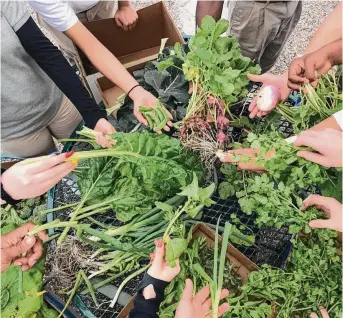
154	23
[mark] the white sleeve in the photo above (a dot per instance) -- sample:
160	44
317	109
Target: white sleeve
55	12
339	118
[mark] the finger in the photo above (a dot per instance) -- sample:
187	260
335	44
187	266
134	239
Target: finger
159	254
21	247
311	200
296	79
207	304
46	186
309	133
252	104
320	202
202	295
166	128
306	140
170	116
170	124
310	71
324	312
21	261
256	78
223	308
293	86
102	141
37	253
52	172
227	157
16	236
313	315
25	268
313	157
187	294
320	224
45	164
118	22
254	112
141	118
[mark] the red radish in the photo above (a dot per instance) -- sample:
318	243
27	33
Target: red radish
267	98
222	121
221	137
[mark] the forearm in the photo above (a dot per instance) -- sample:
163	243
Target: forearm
212	8
329	31
53	63
101	57
330	122
334	50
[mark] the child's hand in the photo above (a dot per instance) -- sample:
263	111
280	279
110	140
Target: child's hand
160	268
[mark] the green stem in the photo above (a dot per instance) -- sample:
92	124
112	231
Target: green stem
125	281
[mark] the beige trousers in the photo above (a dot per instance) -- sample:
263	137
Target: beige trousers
103	10
262	29
41	142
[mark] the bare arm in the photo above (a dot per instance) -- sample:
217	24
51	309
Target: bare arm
101	57
330	122
212	8
329	31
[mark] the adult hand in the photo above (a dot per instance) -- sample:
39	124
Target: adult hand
26	180
323	311
104	128
327	143
244	158
279	81
160	268
126	16
331	207
198	306
14	244
142	98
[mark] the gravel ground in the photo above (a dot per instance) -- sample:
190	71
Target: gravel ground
313	13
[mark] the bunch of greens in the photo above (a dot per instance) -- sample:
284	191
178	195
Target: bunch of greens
317	104
309	281
156	117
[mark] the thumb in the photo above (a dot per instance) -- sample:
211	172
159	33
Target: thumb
22	247
320	224
187	294
256	78
312	156
159	253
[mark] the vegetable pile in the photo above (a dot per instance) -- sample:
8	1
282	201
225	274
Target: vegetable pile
156	187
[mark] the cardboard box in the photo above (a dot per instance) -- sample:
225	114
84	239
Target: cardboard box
134	48
243	265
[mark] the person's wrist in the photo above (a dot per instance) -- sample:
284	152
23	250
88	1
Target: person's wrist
6	194
123	4
136	92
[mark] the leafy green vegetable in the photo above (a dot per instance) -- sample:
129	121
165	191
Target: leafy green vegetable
130	185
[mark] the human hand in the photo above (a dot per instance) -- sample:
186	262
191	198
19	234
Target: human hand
14	244
160	268
279	81
305	69
198	306
331	207
143	98
244	158
103	128
323	311
26	180
328	144
126	16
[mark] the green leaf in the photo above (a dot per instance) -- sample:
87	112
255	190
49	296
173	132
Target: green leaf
221	27
174	249
191	190
226	190
206	193
208	23
164	206
178	51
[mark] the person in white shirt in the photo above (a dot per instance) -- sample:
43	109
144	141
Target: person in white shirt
62	20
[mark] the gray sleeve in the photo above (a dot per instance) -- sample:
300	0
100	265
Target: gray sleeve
15	12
